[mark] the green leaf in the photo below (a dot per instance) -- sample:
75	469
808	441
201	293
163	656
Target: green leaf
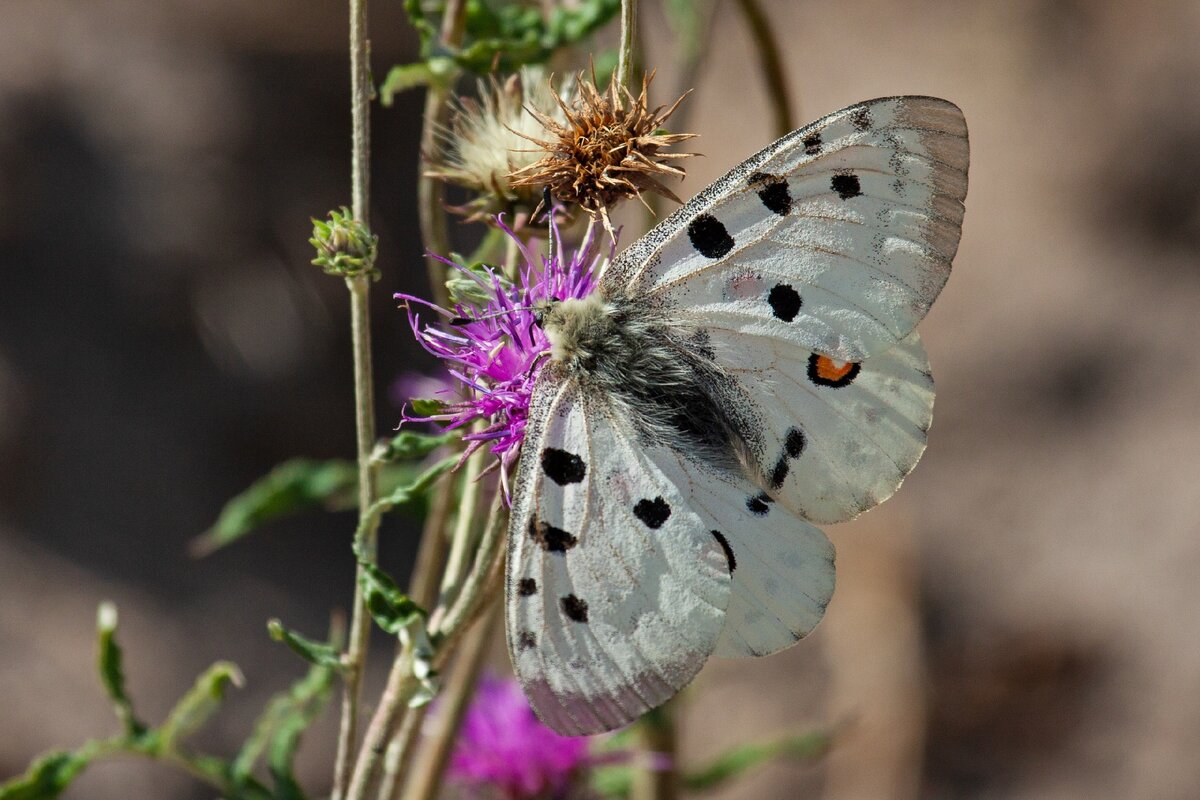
412	445
320	653
390	607
47	777
279	729
427	406
403	77
112	674
742	759
293	486
198	705
504	38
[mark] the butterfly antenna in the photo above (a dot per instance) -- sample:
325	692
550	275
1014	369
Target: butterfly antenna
493	315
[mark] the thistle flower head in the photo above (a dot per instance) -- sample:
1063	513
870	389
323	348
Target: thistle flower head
503	750
489	139
604	147
494	347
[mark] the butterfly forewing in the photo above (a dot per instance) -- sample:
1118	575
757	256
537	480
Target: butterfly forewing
836	238
616	589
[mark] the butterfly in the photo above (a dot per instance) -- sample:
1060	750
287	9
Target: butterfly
744	370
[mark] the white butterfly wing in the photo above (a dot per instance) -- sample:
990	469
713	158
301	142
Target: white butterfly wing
782	567
838	437
836	238
616	589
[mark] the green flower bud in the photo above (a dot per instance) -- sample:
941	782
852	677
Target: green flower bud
345	247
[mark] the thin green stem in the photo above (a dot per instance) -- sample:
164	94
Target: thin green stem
431	198
771	63
400	688
628	32
656	733
364	390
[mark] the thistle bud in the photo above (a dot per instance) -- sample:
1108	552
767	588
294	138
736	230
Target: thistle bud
345	247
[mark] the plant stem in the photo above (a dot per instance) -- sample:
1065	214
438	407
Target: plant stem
771	63
431	201
625	57
427	775
364	390
656	732
401	685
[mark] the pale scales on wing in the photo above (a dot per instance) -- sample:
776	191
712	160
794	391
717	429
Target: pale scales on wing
747	365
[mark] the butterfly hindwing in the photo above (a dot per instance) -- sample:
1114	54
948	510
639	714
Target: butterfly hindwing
782	567
838	437
616	588
836	238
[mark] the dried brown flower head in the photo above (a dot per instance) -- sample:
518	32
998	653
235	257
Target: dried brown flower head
608	148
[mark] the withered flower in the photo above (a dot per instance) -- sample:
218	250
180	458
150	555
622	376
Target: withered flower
489	139
604	147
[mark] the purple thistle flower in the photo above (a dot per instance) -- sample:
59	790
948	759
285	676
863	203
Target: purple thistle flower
503	751
498	354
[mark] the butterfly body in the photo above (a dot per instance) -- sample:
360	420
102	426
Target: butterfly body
745	369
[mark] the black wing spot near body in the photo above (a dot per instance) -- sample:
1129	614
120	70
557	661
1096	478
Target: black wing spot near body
812	144
576	608
526	587
653	513
730	558
773	192
562	467
846	185
861	119
709	236
758	505
780	473
551	539
526	640
794	443
785	302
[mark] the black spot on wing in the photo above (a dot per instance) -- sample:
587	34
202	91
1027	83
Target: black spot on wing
780	473
551	539
562	467
785	302
812	144
861	118
758	505
575	608
773	192
526	587
846	185
730	558
709	236
794	443
526	640
653	513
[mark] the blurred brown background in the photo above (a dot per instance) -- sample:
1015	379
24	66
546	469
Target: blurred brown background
1020	622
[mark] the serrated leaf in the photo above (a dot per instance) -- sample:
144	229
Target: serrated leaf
198	705
416	488
47	777
507	36
320	653
293	486
390	607
412	444
112	674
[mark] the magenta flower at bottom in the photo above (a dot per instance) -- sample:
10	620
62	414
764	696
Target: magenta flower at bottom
503	750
